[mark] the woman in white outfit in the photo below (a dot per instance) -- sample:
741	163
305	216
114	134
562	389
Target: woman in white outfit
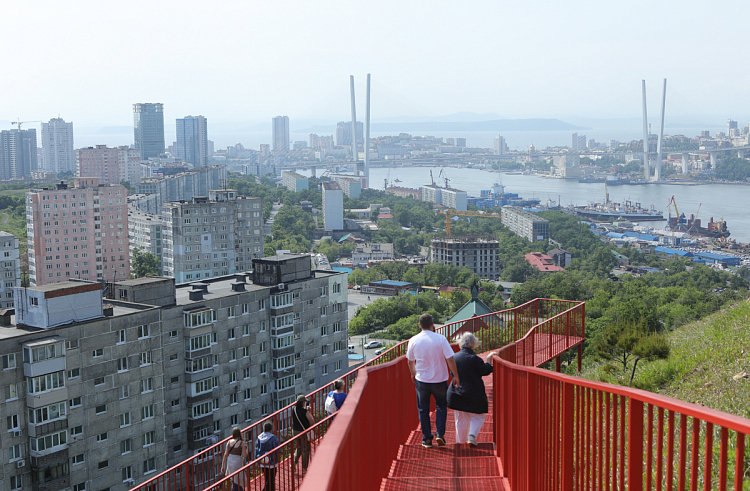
235	457
469	400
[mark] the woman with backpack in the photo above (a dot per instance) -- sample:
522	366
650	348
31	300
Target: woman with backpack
264	446
234	458
336	397
302	419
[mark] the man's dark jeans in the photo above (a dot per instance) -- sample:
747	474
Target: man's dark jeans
439	391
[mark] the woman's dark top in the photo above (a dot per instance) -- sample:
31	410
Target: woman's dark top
299	416
236	448
470	396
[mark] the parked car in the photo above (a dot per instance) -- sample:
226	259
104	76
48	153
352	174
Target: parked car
373	344
380	351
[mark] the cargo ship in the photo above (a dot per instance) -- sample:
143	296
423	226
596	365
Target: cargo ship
692	226
609	210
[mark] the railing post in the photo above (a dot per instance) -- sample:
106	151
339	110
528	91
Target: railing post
635	444
580	357
568	422
558	363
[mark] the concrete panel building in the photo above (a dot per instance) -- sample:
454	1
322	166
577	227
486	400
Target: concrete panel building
185	186
352	186
479	254
10	264
524	223
110	165
293	181
58	152
448	197
78	232
333	206
144	233
211	236
364	253
107	396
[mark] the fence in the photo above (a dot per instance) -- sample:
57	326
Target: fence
556	432
203	470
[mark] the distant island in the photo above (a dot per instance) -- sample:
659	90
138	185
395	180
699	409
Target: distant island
536	124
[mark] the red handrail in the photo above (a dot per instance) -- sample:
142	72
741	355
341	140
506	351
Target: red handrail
554	431
202	471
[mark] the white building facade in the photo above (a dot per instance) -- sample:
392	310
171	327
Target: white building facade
58	154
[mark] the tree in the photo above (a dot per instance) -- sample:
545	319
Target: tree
144	264
623	345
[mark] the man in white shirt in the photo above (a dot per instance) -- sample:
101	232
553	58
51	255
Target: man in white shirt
430	355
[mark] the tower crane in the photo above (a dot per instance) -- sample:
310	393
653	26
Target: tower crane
19	123
450	212
693	227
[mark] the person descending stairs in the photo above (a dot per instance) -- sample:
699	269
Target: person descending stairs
455	466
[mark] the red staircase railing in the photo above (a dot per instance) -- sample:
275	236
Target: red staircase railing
495	330
556	432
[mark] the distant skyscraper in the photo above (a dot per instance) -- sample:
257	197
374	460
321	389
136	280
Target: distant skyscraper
58	152
192	140
148	125
732	128
344	133
578	142
500	146
17	153
281	134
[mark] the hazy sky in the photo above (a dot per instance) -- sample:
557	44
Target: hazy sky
241	61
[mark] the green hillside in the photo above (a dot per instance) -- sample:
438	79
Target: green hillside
709	363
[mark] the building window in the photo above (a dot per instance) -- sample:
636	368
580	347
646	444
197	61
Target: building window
121	337
125	446
149	466
143	331
74	373
49	441
103	464
101	437
101	409
127	473
76	430
147	412
44	383
99	381
125	419
9	361
148	438
147	385
97	353
122	364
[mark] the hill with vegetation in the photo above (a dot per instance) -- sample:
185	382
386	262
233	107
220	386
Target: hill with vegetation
707	364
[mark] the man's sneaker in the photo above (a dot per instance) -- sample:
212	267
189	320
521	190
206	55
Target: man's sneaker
440	440
427	443
472	440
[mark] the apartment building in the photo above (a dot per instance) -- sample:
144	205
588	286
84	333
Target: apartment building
524	223
364	253
479	254
144	233
352	186
110	165
78	232
185	185
109	393
448	197
10	269
294	182
333	206
211	236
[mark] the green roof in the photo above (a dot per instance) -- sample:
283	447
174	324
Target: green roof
342	239
472	308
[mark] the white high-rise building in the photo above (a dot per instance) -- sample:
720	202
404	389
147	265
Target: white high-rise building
500	146
58	154
280	129
333	206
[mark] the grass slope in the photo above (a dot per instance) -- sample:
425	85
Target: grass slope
709	363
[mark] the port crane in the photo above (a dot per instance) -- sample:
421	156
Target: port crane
451	213
680	225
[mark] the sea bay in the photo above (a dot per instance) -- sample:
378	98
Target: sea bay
727	201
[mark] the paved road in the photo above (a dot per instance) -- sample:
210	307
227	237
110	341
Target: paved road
355	300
